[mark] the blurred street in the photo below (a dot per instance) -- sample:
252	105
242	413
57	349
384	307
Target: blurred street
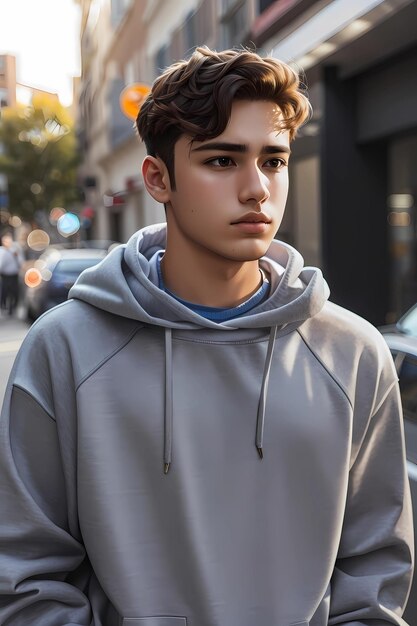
12	333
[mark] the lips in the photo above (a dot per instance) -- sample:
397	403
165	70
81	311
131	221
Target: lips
252	224
253	218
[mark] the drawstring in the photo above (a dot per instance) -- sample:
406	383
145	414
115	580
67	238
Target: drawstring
168	400
260	420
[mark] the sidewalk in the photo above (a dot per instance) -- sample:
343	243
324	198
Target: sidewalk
12	330
12	333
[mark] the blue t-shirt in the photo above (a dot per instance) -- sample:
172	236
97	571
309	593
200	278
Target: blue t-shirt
219	314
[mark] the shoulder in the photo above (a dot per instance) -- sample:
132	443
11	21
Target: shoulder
69	340
339	328
352	350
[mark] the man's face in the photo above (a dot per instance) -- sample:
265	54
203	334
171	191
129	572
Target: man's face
231	190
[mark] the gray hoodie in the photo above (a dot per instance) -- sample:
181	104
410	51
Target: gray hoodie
160	469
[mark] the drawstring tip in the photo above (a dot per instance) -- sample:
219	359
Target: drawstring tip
166	468
260	452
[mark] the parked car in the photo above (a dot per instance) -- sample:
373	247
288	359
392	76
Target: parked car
404	351
59	268
406	325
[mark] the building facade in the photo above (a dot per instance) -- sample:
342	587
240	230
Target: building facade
7	80
353	170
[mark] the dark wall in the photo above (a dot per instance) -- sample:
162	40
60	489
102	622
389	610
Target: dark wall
354	224
387	98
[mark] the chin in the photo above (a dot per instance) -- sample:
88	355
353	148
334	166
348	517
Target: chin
250	253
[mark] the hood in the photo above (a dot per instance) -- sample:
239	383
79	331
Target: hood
126	283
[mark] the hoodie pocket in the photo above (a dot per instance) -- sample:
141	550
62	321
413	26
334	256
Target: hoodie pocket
303	623
155	621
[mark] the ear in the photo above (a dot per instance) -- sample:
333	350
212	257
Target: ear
156	179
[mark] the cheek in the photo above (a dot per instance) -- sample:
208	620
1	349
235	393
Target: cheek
280	189
190	192
198	193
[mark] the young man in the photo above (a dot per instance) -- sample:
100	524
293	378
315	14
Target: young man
11	259
198	437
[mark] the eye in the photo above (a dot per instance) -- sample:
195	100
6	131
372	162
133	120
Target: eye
221	162
276	163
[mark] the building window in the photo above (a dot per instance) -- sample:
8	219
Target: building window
235	25
118	9
3	98
161	59
205	22
190	35
176	48
265	4
120	127
402	222
228	5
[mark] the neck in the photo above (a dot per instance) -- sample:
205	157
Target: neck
206	279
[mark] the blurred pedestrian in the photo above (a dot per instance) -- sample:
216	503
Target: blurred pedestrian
11	259
199	437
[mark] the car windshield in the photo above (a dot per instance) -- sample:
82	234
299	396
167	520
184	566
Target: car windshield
408	323
75	266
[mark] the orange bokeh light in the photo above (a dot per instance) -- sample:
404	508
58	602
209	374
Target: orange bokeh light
132	98
55	214
33	277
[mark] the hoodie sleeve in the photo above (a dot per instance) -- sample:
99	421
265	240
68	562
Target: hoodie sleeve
373	571
43	569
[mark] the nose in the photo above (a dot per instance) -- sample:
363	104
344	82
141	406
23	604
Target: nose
254	188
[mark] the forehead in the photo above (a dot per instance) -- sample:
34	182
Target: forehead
253	121
264	112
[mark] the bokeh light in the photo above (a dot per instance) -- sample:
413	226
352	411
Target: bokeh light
132	98
15	221
55	214
45	273
68	224
36	188
33	277
40	264
38	240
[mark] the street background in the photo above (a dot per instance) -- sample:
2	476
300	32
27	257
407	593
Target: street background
12	333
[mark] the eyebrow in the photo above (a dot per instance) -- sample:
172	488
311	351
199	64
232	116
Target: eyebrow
239	147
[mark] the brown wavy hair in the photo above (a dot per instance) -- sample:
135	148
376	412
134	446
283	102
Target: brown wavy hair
195	98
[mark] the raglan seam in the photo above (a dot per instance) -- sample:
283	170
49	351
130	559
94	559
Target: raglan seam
108	357
324	366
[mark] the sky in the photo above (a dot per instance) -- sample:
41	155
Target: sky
44	37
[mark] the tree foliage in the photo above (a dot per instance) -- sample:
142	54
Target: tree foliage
38	154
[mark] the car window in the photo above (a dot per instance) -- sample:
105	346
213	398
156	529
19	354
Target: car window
408	386
75	266
398	359
408	323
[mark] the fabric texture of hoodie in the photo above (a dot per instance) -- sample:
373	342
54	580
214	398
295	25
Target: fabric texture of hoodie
161	469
